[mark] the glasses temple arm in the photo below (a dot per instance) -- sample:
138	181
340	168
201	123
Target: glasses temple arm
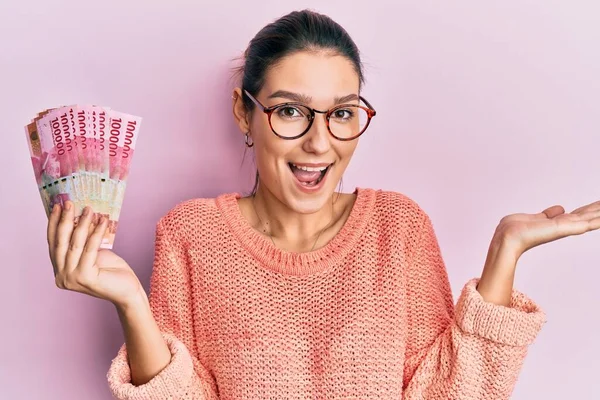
254	100
368	104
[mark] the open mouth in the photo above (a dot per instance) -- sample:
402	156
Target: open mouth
309	176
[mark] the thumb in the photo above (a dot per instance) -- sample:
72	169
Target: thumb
553	211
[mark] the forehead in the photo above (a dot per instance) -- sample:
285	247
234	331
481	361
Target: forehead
320	75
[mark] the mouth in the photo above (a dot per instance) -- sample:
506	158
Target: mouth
310	177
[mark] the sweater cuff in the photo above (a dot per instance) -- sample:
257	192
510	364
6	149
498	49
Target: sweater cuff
173	380
515	325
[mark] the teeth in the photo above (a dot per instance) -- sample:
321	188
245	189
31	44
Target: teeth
311	169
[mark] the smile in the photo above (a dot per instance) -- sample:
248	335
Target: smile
310	178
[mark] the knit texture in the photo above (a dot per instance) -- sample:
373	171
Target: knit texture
368	316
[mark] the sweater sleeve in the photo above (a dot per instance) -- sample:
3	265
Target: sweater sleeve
171	304
472	351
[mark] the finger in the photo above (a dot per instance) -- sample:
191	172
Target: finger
51	232
577	224
592	218
92	227
594	224
78	240
553	211
94	224
589	207
63	235
548	213
90	250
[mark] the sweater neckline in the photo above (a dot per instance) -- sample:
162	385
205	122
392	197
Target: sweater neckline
294	263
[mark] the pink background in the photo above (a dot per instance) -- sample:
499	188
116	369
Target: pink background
484	109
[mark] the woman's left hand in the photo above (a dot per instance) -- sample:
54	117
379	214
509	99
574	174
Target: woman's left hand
526	231
518	233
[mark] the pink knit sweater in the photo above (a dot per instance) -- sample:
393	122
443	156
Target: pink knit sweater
368	316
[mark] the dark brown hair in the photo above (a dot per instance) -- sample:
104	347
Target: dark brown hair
297	31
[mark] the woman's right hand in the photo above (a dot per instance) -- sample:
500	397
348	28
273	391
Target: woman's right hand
79	263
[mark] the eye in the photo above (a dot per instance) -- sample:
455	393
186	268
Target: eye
343	114
290	112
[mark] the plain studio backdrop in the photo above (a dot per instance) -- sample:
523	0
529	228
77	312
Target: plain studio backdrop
483	109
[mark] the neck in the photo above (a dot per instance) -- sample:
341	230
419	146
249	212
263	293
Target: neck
297	230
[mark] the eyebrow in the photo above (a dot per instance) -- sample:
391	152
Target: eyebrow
302	98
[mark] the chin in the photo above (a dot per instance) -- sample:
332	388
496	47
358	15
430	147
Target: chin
308	203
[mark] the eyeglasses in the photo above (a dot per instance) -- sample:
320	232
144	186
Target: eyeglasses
292	120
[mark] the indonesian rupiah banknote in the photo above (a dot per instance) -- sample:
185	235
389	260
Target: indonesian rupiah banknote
83	153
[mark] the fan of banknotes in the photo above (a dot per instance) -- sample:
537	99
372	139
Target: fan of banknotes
83	154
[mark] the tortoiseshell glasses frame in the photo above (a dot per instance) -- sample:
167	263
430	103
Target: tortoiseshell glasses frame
370	111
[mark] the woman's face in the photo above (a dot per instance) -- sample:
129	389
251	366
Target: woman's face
321	81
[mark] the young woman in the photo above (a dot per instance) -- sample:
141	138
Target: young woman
298	291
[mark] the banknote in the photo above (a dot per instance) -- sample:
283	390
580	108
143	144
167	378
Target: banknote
83	153
123	133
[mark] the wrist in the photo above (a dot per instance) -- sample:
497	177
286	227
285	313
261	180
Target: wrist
507	244
133	305
497	278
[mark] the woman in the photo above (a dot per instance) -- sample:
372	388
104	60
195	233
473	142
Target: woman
298	291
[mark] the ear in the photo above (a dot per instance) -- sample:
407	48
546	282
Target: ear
241	116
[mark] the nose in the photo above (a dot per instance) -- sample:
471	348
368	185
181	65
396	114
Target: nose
317	140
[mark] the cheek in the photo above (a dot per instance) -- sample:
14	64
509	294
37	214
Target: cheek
264	146
271	154
345	151
259	127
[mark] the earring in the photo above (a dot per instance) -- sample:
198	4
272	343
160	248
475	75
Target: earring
249	142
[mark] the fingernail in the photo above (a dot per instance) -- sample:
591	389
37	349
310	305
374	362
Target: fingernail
68	205
101	221
86	211
55	207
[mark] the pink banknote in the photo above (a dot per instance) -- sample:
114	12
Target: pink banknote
83	153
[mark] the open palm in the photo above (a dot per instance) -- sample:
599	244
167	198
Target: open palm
526	231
